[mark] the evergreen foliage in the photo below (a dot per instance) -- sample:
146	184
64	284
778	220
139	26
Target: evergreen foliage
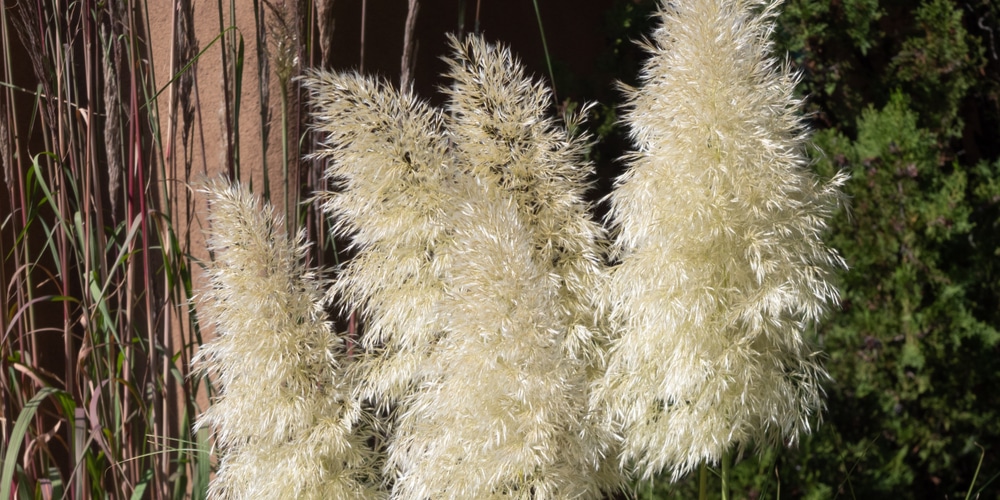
913	356
912	114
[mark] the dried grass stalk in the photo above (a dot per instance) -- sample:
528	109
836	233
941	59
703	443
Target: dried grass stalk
112	115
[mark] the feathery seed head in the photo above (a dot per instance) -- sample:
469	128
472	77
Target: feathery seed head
505	413
476	260
718	222
499	124
284	403
388	156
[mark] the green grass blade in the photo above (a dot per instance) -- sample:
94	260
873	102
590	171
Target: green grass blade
204	464
20	429
975	476
545	47
140	489
187	66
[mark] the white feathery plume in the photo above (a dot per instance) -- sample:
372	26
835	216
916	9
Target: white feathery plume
497	120
503	418
476	290
284	421
497	117
390	165
718	226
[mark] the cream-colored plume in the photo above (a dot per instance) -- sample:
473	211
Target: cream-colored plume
284	421
718	223
506	414
389	161
475	271
498	119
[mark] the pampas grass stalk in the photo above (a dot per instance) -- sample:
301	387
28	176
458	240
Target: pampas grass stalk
475	270
284	421
502	415
498	120
717	233
388	162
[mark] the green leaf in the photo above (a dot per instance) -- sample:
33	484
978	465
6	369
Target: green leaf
20	429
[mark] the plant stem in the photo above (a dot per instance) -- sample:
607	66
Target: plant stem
726	462
364	10
290	218
703	482
406	72
545	47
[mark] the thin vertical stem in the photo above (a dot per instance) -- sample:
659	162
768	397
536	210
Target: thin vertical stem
263	67
290	218
92	223
406	76
726	463
79	434
233	168
364	10
703	481
545	47
140	190
476	26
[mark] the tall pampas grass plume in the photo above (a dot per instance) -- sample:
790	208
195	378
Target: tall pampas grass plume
475	270
499	123
388	161
285	423
717	234
505	414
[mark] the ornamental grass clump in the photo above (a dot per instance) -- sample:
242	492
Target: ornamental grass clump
507	359
718	224
475	266
285	423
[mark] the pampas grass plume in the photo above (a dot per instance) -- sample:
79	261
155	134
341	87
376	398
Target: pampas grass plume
502	417
475	271
498	119
284	421
389	163
506	414
717	230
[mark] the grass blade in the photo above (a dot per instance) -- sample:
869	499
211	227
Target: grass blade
20	429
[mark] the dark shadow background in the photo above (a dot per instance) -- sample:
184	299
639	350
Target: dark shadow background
591	45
